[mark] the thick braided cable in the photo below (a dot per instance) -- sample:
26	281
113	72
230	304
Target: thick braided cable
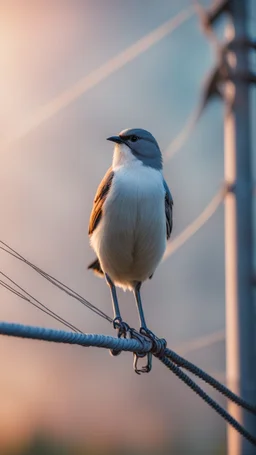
142	345
181	362
190	383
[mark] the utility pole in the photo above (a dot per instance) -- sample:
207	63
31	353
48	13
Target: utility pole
240	311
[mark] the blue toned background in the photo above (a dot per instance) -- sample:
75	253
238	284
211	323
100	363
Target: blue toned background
53	155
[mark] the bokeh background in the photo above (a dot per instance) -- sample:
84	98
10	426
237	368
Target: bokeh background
69	400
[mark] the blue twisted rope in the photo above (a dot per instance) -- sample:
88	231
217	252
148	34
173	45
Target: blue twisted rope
141	345
181	362
86	339
226	416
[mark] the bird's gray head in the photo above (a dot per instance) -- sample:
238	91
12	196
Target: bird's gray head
142	145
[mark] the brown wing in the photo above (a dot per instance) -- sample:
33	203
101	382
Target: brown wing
168	213
168	210
99	200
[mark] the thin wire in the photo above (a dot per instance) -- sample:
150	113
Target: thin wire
9	288
55	282
100	74
209	90
38	304
190	230
171	248
184	134
184	348
50	312
12	290
182	137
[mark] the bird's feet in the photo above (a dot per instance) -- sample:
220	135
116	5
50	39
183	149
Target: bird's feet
122	330
146	368
158	347
159	344
121	327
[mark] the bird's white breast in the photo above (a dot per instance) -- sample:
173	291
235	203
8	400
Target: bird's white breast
131	236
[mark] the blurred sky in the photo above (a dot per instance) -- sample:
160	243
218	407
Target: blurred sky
49	175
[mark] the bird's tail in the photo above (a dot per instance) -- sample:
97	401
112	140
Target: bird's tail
96	267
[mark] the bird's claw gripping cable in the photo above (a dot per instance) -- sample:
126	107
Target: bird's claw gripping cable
158	347
122	330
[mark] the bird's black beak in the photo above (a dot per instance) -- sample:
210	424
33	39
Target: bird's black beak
116	139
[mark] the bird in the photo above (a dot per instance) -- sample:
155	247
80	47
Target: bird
131	221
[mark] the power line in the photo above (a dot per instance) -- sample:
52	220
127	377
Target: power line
54	281
192	345
181	137
35	302
224	414
179	241
13	291
100	74
235	75
142	345
85	84
171	248
211	88
193	227
201	343
181	362
138	343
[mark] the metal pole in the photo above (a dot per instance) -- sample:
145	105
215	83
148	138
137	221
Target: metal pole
240	314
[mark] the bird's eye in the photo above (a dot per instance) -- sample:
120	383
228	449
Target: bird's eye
133	138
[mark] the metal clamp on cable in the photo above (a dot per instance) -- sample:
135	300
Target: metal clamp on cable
158	344
158	350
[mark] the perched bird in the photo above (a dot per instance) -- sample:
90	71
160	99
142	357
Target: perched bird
131	220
